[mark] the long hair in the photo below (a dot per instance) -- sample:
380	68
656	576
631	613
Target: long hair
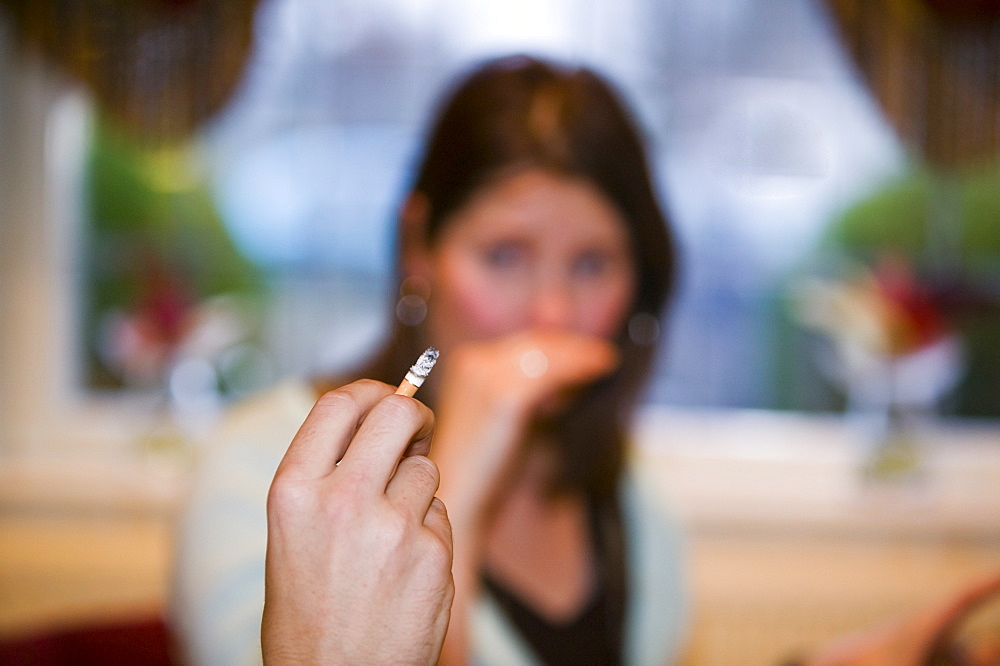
520	112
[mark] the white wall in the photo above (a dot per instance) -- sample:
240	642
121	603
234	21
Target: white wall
33	326
4	224
43	129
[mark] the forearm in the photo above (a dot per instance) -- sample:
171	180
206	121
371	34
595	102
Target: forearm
468	482
469	533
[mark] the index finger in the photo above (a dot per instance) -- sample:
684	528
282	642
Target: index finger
565	357
327	431
396	426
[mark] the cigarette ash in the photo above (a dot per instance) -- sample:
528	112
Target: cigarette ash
423	366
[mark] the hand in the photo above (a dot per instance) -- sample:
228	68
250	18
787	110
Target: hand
489	393
358	554
912	640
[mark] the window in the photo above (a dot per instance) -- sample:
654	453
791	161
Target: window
759	133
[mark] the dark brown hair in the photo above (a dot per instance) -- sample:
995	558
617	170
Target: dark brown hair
520	112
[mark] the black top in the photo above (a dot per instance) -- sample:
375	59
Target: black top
594	636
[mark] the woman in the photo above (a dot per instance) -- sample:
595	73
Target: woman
534	255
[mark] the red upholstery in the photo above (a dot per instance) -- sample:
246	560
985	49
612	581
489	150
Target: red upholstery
143	642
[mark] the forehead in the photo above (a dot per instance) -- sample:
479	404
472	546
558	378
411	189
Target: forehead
536	203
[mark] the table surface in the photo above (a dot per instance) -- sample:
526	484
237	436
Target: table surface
789	543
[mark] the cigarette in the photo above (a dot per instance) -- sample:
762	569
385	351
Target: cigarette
418	373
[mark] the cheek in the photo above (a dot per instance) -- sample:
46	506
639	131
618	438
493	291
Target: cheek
605	317
467	302
603	312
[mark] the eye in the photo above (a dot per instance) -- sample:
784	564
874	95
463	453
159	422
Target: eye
505	254
591	264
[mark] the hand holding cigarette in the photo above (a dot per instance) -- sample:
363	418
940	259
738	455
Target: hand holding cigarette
359	550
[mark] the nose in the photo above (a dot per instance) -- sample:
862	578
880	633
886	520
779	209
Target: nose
552	304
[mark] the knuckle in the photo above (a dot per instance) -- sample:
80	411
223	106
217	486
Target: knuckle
423	470
337	400
438	553
352	397
370	385
400	409
285	495
396	529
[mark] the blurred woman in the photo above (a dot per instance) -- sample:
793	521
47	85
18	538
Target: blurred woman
534	255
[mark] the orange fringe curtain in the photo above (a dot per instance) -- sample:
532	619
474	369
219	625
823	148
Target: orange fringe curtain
159	68
934	66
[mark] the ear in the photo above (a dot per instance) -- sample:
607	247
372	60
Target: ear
414	250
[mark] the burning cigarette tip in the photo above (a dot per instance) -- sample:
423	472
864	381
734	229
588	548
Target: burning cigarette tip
423	366
418	372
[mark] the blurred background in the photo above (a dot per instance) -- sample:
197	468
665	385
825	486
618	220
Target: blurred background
197	198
